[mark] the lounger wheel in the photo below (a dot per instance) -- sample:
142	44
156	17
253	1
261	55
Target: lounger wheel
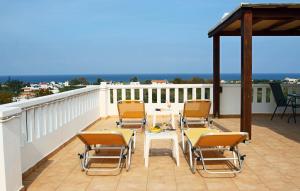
242	157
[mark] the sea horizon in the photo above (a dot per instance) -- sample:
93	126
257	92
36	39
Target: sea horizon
142	76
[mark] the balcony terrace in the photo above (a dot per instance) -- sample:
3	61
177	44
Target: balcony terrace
37	141
272	163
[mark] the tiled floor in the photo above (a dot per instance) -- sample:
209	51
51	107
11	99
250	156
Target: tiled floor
272	163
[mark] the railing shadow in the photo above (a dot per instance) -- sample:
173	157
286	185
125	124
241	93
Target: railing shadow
280	126
30	176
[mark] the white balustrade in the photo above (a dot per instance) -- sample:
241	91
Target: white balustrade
48	122
154	92
263	101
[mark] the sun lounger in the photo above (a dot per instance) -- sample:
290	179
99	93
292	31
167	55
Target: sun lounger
195	112
132	115
204	139
106	139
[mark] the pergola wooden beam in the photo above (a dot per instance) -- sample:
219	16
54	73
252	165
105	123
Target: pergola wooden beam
294	32
246	71
268	13
216	76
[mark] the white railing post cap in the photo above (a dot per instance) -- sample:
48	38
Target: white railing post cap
9	111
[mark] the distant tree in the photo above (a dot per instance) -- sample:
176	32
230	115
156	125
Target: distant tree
134	79
146	82
43	92
15	86
196	80
177	81
6	97
79	81
193	80
98	81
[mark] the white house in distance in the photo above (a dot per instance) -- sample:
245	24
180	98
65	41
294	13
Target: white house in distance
291	80
134	83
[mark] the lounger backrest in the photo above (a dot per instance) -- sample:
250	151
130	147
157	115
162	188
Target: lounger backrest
131	109
196	108
221	139
103	138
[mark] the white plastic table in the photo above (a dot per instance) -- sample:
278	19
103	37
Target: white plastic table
165	135
164	111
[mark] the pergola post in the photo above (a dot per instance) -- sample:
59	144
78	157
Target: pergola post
216	76
246	71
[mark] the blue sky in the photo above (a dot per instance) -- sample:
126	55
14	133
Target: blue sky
122	36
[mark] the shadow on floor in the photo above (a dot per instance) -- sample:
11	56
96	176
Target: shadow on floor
31	175
280	126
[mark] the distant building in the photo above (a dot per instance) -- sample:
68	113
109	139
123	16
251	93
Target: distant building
291	80
134	83
25	95
66	83
44	85
159	82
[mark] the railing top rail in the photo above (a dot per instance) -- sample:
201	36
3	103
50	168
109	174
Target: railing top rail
51	98
129	86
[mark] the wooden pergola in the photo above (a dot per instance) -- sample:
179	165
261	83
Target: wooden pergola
246	21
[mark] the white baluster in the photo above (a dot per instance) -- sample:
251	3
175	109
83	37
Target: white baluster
23	138
50	114
158	95
38	120
185	94
264	95
115	96
149	95
30	124
167	95
202	93
211	93
45	120
176	95
132	96
254	93
55	112
123	94
141	94
194	97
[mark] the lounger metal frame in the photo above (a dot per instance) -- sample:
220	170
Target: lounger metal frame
125	153
237	158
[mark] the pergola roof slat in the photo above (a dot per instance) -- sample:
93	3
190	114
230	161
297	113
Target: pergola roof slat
271	19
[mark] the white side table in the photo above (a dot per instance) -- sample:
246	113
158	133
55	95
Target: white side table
167	135
164	111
